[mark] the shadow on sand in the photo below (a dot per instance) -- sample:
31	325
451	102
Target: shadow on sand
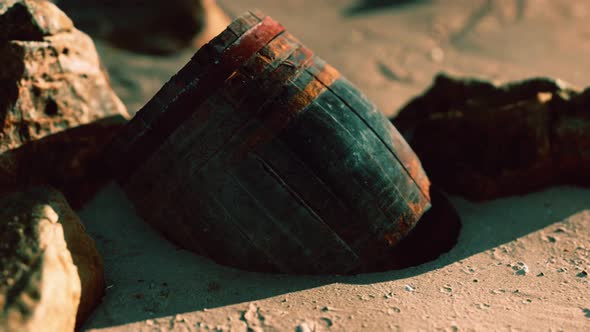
367	6
148	277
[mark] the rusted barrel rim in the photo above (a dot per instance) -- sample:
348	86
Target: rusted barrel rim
154	132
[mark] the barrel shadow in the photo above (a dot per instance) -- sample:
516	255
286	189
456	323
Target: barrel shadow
486	225
148	277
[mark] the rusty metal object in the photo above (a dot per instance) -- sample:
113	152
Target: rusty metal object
262	156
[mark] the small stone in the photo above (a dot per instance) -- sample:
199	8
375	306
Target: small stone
306	326
520	269
446	289
409	288
327	321
437	54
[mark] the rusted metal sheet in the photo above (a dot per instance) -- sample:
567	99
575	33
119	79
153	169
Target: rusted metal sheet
266	158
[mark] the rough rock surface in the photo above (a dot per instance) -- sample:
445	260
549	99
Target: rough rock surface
155	26
483	141
51	272
51	80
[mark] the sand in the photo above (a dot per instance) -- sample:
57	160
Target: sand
153	285
521	263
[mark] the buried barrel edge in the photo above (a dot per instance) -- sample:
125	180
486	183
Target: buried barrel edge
260	155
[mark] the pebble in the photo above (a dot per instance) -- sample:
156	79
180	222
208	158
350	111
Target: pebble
446	289
437	54
520	269
305	327
551	239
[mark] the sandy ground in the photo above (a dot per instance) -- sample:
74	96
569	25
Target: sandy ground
520	261
155	286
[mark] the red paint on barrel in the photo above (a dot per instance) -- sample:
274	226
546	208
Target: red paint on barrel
220	69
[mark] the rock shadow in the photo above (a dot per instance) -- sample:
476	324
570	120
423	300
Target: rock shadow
70	160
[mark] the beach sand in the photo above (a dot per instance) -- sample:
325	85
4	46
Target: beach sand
521	263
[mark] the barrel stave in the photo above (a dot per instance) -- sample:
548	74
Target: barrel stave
260	155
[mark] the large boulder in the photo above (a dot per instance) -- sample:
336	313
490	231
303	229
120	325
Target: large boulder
484	141
51	81
51	275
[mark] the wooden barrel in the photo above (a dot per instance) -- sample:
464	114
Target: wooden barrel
260	155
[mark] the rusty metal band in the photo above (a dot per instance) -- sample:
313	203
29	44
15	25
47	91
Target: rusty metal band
180	109
288	107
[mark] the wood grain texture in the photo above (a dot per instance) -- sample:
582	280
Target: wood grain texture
276	163
172	104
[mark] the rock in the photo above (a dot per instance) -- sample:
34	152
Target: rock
42	19
158	27
572	140
52	274
51	81
484	141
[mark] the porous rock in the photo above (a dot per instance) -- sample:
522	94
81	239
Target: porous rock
51	273
51	80
484	141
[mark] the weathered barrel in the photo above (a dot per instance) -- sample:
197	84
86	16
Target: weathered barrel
262	156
